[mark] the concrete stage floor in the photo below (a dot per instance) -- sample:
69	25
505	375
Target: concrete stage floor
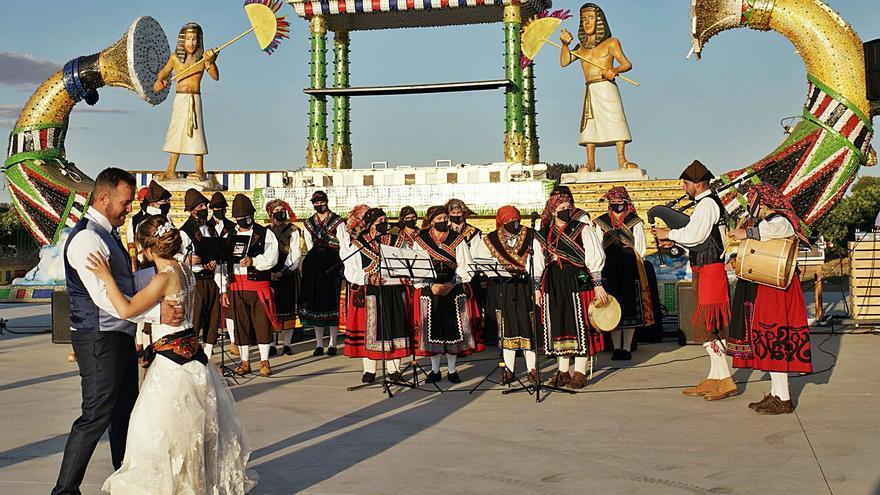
629	432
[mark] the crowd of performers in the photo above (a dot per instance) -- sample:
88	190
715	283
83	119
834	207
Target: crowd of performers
261	282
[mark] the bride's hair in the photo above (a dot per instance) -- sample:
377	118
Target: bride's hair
157	233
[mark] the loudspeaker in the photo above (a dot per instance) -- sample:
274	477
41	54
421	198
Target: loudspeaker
872	70
687	304
60	317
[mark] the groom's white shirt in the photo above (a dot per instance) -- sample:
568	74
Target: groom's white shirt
87	242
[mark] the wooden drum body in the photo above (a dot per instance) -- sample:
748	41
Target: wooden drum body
767	262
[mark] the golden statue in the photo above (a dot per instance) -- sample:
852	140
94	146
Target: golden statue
186	131
603	122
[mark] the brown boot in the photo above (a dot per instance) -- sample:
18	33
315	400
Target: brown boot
560	379
71	357
723	389
233	349
702	388
507	377
578	380
776	406
243	369
754	405
265	369
533	377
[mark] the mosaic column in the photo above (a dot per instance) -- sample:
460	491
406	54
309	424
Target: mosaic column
532	155
514	134
341	155
316	151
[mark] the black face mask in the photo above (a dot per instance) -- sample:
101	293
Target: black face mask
280	216
456	219
320	208
202	215
220	213
618	208
441	226
382	227
164	209
512	227
410	224
564	215
245	223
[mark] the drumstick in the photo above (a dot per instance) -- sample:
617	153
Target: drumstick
594	64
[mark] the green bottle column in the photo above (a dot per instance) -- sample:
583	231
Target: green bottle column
514	134
532	148
316	151
341	155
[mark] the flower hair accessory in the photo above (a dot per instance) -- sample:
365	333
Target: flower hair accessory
163	229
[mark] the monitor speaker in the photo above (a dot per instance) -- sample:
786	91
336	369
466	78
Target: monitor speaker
60	317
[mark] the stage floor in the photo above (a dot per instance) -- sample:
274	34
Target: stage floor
630	431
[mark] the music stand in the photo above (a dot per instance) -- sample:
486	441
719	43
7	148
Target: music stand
495	271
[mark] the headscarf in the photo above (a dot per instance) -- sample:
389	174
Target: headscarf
559	195
371	216
505	215
619	193
406	210
355	221
271	205
319	196
433	212
454	203
770	196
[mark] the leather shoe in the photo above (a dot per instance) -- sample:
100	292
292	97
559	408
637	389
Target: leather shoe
764	400
723	389
776	406
331	351
507	377
433	377
273	351
560	379
319	351
703	388
396	377
617	355
368	377
578	380
265	369
243	369
233	349
287	351
453	378
533	377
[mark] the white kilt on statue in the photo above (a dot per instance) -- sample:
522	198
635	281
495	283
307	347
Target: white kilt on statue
186	131
603	122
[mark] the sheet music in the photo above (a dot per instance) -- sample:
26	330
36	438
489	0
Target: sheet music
490	268
405	263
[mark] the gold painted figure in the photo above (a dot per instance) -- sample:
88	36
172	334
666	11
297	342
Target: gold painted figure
603	122
186	133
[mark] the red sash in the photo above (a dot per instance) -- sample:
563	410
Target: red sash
264	293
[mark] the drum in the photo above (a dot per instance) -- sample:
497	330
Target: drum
606	317
769	263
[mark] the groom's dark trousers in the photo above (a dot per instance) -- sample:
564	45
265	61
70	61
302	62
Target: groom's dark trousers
109	371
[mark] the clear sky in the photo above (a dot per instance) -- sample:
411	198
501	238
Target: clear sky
724	110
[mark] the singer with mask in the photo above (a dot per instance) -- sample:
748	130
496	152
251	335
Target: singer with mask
509	303
251	252
407	226
223	227
285	275
476	289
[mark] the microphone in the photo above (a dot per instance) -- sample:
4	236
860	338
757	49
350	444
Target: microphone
534	218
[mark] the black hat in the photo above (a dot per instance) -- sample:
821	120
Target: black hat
218	200
192	199
156	193
242	206
319	196
696	172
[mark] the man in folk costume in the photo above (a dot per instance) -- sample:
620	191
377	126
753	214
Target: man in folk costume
509	303
407	226
223	227
206	304
441	311
285	274
623	239
252	252
158	202
377	326
321	271
458	215
769	330
572	279
712	315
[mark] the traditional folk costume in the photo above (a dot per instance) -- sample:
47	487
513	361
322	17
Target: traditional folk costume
712	315
623	239
286	275
443	323
476	289
223	227
321	273
345	233
770	331
206	306
407	230
510	306
377	326
573	268
251	297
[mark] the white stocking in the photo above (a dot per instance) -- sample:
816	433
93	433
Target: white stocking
563	364
617	335
319	337
230	329
713	363
722	370
627	335
531	358
435	363
244	351
209	348
393	365
369	366
509	359
580	364
334	332
450	362
264	351
779	381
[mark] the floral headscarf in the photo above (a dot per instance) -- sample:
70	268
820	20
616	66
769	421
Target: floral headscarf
770	196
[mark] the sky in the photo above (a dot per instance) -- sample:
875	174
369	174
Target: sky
724	110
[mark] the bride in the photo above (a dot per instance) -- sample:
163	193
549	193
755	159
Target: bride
184	436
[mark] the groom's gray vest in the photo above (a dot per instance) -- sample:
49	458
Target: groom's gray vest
85	315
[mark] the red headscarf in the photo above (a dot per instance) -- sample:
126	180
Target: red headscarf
555	200
355	221
770	196
506	214
619	193
271	205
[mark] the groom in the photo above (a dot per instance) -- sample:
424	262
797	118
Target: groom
103	343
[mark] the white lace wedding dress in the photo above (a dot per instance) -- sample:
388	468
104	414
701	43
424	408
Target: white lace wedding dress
184	436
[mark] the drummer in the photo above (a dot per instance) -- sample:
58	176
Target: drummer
774	335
